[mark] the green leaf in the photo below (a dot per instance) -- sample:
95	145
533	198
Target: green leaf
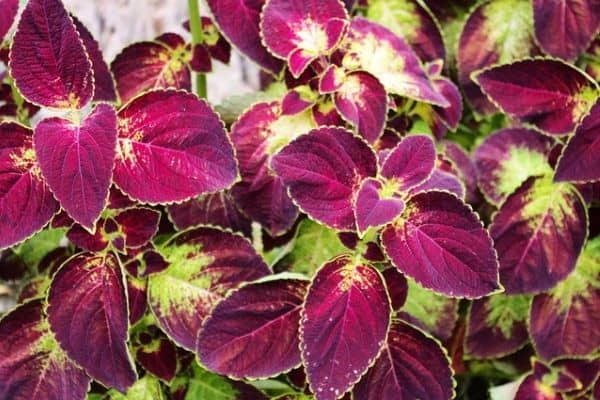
146	388
35	248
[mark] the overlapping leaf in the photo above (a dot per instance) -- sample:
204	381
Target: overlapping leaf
8	15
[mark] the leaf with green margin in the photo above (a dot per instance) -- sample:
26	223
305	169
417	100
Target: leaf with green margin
430	311
566	320
35	248
145	388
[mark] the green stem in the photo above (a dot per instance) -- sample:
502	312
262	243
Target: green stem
197	38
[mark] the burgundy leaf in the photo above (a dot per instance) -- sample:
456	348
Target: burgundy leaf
539	232
410	163
137	296
87	311
48	60
172	147
442	181
440	242
548	94
201	61
253	332
8	15
465	167
371	209
565	28
138	225
531	389
77	161
32	364
345	322
239	20
322	170
397	287
204	264
411	366
579	161
156	353
21	183
82	238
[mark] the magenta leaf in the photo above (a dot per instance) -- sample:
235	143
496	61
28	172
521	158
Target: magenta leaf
548	94
445	118
397	287
239	21
565	28
411	366
155	352
410	163
150	65
378	51
218	209
363	101
322	170
21	183
263	316
440	242
345	322
137	295
32	364
565	321
48	60
7	16
138	225
87	311
77	161
505	159
539	232
204	264
82	238
301	31
497	326
172	147
465	169
442	181
579	161
498	31
373	210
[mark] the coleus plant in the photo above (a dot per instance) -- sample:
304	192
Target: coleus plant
351	231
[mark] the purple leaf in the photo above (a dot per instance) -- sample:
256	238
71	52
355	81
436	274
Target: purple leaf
412	20
505	159
579	161
8	15
362	101
566	320
21	183
498	31
371	209
442	181
172	147
150	65
48	60
378	51
297	100
548	94
465	168
204	264
411	366
143	261
345	322
448	116
440	242
201	61
410	163
32	364
239	20
565	28
82	238
397	287
497	326
138	225
539	232
253	332
137	295
77	161
258	134
156	353
103	79
87	311
322	170
302	30
531	389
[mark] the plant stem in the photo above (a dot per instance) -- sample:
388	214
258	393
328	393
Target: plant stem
196	30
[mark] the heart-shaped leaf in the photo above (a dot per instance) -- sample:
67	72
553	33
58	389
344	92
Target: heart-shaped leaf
565	28
440	242
87	311
150	65
410	163
579	161
345	322
505	159
32	364
48	60
546	93
77	161
21	183
263	316
322	170
8	15
411	366
539	232
172	147
373	210
204	264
